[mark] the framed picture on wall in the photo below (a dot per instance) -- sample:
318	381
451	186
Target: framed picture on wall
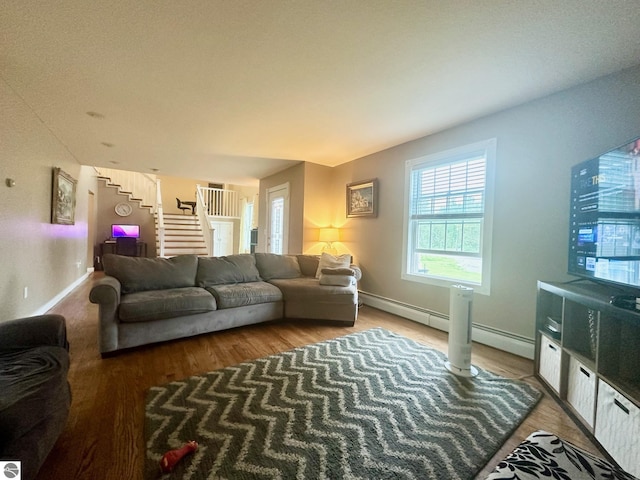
63	201
362	199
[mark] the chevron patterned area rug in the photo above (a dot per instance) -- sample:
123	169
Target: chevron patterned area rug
370	405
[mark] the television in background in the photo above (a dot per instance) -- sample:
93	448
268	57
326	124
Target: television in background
125	231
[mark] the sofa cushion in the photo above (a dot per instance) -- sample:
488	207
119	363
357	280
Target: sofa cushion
231	269
139	274
271	265
330	261
305	288
159	304
308	264
34	387
242	294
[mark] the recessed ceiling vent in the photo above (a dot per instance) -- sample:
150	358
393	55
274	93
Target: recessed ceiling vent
97	115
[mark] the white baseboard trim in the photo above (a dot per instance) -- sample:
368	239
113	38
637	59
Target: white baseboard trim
508	342
52	303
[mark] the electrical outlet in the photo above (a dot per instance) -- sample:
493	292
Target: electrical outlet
25	293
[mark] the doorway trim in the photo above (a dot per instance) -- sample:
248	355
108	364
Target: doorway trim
273	193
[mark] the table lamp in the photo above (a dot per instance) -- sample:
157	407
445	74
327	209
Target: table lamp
328	236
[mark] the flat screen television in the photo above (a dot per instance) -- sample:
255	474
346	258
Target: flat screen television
120	230
604	224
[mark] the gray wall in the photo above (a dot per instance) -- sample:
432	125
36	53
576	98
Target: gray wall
537	144
34	253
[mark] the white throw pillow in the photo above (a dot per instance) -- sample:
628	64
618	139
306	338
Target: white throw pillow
329	261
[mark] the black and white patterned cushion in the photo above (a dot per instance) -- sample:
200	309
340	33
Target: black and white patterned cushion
544	455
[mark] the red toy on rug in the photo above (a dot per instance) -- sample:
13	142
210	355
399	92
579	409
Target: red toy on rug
172	457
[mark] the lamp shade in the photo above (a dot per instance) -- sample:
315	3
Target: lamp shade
329	235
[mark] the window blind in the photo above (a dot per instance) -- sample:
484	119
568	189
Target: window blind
449	189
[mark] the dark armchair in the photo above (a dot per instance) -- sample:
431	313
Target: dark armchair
35	396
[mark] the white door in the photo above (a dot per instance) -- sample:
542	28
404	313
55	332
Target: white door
278	219
222	238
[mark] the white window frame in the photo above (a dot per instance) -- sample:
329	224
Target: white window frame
486	148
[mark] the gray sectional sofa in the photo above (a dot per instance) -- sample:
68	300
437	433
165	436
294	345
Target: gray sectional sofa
149	300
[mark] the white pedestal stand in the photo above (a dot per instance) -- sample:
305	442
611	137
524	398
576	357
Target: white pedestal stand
460	303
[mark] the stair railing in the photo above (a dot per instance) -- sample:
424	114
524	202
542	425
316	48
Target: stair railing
140	186
219	202
160	220
207	231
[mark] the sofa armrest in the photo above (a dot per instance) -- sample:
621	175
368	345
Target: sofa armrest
106	293
358	272
40	330
106	290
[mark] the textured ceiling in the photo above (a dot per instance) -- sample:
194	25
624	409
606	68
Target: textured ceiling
232	91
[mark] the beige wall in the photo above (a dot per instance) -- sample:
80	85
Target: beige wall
318	206
175	187
34	253
537	143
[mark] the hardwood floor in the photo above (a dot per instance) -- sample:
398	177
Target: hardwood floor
103	438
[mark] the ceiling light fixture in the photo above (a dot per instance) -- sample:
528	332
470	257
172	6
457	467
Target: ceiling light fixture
107	144
97	115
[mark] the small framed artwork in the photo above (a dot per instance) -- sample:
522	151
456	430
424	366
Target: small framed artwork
362	199
63	201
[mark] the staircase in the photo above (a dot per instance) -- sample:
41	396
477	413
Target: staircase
175	234
183	235
138	187
128	196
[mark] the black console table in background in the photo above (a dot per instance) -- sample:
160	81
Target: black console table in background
110	247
